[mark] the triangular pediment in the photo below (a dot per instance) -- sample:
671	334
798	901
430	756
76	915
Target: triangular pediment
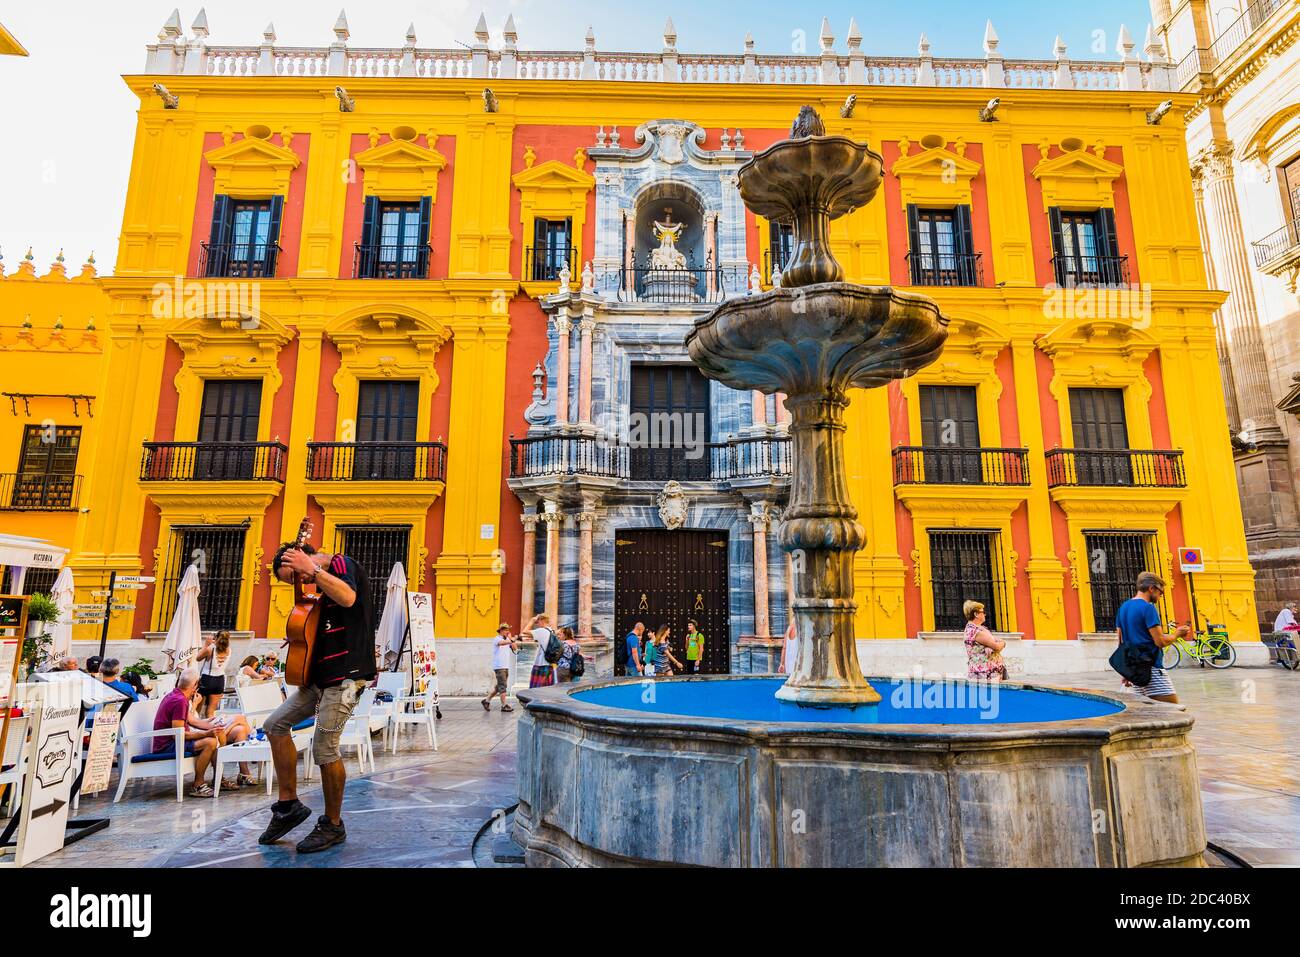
935	161
401	169
1078	179
252	166
399	154
552	174
1078	163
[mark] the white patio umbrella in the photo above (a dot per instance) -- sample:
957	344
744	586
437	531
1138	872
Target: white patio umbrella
185	633
392	625
62	593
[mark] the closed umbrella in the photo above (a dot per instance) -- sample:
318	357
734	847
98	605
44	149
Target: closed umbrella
62	593
392	624
185	633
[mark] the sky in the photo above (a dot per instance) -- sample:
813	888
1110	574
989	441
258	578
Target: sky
68	120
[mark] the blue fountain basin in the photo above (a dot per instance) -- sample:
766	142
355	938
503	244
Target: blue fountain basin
902	701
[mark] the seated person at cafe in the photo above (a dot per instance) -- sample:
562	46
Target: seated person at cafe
202	736
255	670
110	673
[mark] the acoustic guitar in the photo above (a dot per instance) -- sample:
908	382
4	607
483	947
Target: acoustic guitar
304	620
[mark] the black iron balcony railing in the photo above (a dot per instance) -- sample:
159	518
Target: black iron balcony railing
1241	29
740	458
945	269
1277	243
948	465
39	492
213	461
376	461
544	263
238	260
1155	468
1090	270
403	261
689	284
1197	61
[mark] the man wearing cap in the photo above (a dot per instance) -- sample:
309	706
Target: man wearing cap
504	649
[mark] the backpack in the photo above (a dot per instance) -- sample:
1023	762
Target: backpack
1134	663
554	649
576	665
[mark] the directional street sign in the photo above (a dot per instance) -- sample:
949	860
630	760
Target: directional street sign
101	594
88	621
124	608
128	586
96	606
125	580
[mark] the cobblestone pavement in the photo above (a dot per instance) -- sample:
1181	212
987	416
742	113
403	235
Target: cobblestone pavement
423	809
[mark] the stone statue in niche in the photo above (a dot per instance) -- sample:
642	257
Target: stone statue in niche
668	256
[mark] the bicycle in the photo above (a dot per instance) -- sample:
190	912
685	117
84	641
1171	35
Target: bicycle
1211	647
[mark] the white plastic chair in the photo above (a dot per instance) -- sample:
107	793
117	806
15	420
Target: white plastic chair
422	714
13	764
135	750
164	685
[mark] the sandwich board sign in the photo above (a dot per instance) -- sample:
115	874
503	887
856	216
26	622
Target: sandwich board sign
56	720
99	756
1191	560
424	655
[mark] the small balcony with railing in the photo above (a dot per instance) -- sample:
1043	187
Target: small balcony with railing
643	283
949	465
1225	46
238	260
164	462
945	269
376	462
1083	271
545	263
391	261
1278	253
1116	468
39	492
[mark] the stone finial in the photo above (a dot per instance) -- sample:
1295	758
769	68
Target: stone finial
90	324
614	137
171	30
755	280
2	265
200	25
827	35
268	35
670	34
990	39
600	137
58	323
410	35
855	35
88	268
1153	46
738	141
481	31
341	32
923	46
27	321
565	277
725	139
590	38
749	42
1125	45
588	278
508	32
1059	49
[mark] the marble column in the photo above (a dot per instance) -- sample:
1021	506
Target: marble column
1220	332
629	251
562	325
711	253
586	526
760	409
528	568
759	516
552	600
1232	269
586	329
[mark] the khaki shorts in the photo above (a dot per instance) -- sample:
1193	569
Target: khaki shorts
330	706
503	681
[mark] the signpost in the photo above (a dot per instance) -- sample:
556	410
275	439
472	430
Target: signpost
1190	561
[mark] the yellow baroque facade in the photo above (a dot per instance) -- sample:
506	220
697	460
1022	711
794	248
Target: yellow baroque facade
422	310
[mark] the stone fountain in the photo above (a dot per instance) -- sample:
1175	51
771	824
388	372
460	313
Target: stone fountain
822	769
814	338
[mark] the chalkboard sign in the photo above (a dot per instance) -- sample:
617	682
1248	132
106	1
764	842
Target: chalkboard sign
11	611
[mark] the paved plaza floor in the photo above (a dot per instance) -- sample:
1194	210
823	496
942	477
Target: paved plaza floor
421	808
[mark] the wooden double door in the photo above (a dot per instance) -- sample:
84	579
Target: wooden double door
666	577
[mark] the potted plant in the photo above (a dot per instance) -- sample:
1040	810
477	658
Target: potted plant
41	613
142	667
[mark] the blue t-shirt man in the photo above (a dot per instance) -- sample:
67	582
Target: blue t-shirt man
633	646
1135	619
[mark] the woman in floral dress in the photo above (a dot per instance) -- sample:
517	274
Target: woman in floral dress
983	650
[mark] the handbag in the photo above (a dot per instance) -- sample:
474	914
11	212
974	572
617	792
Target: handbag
1134	662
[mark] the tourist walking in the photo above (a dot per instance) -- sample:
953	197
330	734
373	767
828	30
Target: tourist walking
570	666
665	663
632	663
543	674
1137	623
983	649
504	650
694	647
789	649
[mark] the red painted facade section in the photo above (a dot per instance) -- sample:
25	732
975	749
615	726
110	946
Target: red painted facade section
558	143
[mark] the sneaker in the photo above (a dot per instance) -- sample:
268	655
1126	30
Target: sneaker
506	708
201	791
324	834
487	704
284	822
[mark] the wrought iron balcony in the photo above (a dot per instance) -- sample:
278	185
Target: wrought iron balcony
1241	29
949	465
945	269
1074	271
1131	468
238	260
213	462
401	261
544	263
685	285
1197	61
39	492
376	461
576	454
1281	245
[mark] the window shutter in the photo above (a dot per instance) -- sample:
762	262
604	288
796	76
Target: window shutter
1109	269
220	234
1058	247
370	222
965	250
426	222
273	234
914	242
